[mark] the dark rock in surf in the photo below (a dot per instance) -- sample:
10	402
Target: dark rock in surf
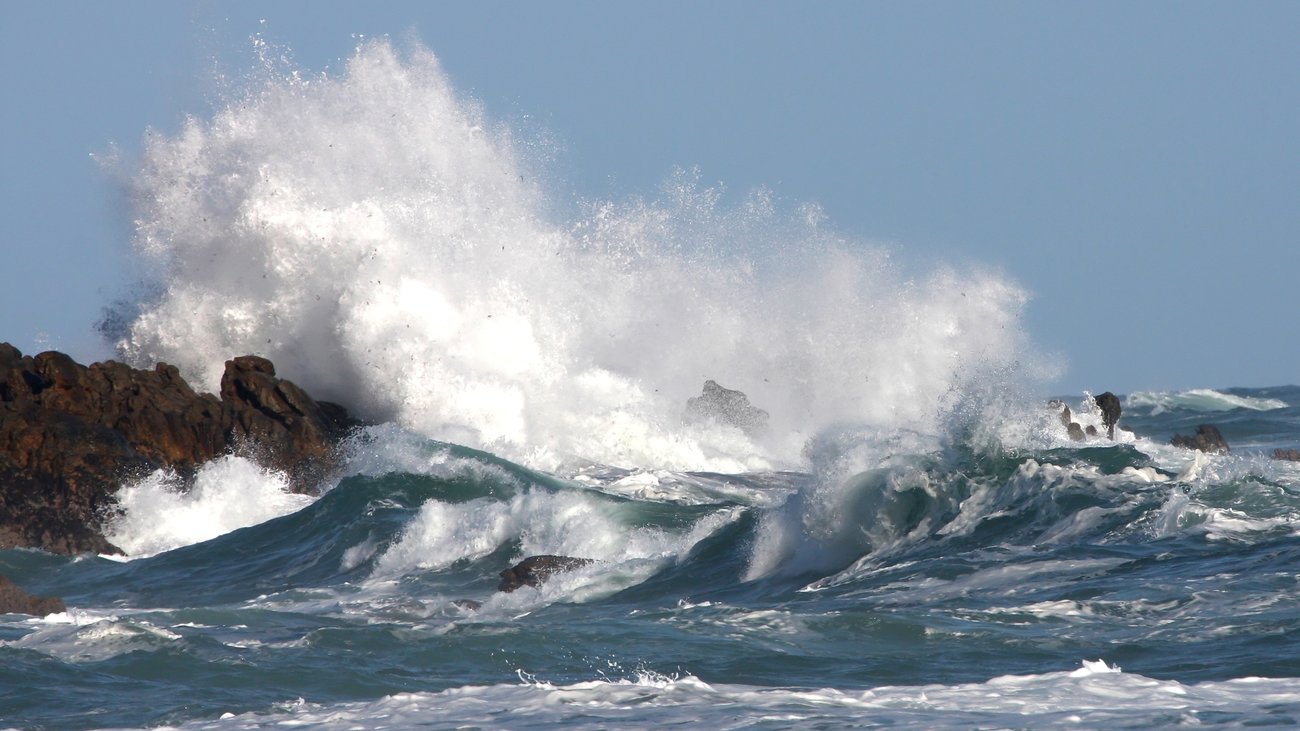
534	570
71	434
1076	432
1290	455
726	406
468	605
1110	411
13	600
1090	431
1207	439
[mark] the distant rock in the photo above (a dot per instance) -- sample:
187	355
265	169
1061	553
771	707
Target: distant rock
1110	411
534	570
726	406
1207	439
13	600
71	434
1290	455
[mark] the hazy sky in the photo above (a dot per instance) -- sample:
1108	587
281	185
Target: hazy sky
1135	166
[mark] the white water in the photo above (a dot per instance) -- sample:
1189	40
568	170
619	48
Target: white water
387	246
1094	696
158	514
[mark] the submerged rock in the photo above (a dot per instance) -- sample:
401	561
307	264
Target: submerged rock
1290	455
1207	439
71	434
13	600
534	570
726	406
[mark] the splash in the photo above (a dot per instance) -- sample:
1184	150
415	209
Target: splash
390	248
157	514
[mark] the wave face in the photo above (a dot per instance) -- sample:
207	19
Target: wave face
390	248
1200	399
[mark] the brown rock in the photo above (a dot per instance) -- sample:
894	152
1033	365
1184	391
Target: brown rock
1207	439
533	570
1291	455
71	434
13	600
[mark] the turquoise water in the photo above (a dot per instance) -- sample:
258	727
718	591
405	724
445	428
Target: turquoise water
961	587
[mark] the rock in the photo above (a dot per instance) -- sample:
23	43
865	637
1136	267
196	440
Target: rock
13	600
1207	439
468	605
71	434
1110	411
1076	432
726	406
1291	455
533	570
1090	431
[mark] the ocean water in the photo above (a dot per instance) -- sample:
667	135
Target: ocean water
913	541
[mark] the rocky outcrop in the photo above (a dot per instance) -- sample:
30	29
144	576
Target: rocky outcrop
1110	411
533	570
1290	455
13	600
71	434
1207	439
726	406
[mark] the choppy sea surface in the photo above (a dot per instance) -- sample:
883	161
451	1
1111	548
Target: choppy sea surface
911	540
1122	584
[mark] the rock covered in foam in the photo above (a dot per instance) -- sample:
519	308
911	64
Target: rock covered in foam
1207	439
13	600
70	434
726	406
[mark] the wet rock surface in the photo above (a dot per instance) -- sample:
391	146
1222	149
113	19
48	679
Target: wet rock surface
13	600
534	570
71	434
1207	439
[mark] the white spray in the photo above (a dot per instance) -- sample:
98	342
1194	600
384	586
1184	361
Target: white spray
387	247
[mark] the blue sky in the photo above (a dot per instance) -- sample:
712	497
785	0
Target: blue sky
1136	167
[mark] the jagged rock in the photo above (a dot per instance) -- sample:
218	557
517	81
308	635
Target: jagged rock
71	434
1290	455
1110	411
1207	439
726	406
533	570
13	600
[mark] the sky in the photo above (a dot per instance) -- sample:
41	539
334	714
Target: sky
1134	166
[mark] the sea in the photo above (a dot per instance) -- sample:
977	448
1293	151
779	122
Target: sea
908	539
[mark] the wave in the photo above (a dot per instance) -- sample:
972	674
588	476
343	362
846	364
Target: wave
1199	399
388	246
1094	695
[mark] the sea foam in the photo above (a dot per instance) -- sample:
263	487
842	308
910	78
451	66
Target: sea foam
390	247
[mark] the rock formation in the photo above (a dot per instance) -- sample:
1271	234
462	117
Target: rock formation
13	600
726	406
533	570
1110	411
1207	439
1291	455
71	434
